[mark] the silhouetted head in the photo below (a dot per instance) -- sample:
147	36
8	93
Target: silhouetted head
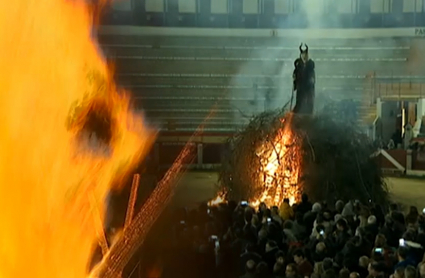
304	52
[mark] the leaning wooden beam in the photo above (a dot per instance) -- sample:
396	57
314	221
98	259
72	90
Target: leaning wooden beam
132	200
134	235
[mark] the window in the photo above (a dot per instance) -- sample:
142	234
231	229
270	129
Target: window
187	6
124	5
347	6
250	7
380	6
410	6
219	6
313	7
154	6
283	6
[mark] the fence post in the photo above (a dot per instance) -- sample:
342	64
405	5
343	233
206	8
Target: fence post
260	10
200	157
409	160
375	96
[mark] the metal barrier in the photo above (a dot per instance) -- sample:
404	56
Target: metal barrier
397	90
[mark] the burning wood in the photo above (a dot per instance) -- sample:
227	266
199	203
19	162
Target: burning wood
280	155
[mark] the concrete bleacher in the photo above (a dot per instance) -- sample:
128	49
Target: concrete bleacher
179	80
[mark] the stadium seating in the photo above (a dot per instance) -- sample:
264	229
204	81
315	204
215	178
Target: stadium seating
180	80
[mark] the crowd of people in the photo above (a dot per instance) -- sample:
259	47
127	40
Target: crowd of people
345	240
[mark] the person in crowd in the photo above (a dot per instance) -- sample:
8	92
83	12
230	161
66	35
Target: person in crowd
276	217
270	254
305	269
361	267
422	271
331	273
344	273
410	272
305	205
377	270
278	270
398	273
392	230
250	270
285	210
298	227
403	259
372	227
288	232
395	214
249	255
412	216
291	271
339	206
381	251
354	275
262	270
341	235
320	252
311	216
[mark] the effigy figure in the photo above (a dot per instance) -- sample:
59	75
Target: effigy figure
304	79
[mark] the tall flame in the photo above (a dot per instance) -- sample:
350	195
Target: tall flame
54	173
280	168
280	160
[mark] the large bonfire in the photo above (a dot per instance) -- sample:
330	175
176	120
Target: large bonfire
263	162
66	136
281	155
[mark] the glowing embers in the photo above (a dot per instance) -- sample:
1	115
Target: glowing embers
280	162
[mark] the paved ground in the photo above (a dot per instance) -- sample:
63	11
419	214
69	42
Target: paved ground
195	187
200	186
408	191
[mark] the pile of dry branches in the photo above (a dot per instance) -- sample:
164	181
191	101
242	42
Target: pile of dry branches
336	160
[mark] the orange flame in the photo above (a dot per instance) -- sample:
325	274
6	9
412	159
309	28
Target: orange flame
219	199
280	159
52	173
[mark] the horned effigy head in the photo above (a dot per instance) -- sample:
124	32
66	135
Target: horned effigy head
304	52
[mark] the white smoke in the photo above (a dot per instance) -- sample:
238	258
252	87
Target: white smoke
342	63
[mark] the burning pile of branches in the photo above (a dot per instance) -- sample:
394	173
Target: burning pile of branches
263	161
281	155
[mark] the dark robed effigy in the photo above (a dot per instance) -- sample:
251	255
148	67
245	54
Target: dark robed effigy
304	79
